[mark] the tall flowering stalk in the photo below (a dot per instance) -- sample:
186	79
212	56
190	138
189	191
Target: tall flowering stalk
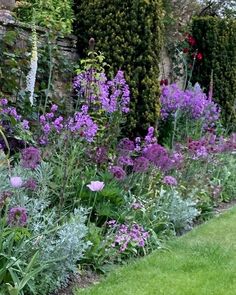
31	77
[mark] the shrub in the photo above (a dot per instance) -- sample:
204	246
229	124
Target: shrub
216	40
129	35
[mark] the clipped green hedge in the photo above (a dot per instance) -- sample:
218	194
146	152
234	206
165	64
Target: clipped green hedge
216	39
129	34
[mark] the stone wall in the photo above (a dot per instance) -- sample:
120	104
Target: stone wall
66	48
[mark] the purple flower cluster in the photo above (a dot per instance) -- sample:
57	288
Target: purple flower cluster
113	95
17	216
208	145
125	236
30	157
158	156
81	124
193	103
11	112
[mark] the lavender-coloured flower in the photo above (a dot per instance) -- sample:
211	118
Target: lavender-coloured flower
96	186
16	181
117	172
30	157
170	180
17	216
25	124
3	101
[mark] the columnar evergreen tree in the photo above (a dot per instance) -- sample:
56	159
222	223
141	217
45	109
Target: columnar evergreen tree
216	39
129	34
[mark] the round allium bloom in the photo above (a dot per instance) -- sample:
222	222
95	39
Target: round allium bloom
141	164
101	155
170	180
30	157
16	181
96	186
126	145
17	216
126	161
118	172
31	184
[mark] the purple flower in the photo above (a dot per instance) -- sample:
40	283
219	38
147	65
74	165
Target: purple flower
141	164
118	172
17	216
25	124
30	157
125	161
54	108
170	180
31	184
3	102
101	155
16	181
126	145
96	186
193	103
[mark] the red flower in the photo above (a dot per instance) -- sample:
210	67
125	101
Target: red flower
191	40
185	50
164	82
199	56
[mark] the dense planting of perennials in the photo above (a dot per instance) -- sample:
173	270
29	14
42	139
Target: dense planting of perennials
194	103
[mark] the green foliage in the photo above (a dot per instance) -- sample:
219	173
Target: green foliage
129	35
216	39
56	15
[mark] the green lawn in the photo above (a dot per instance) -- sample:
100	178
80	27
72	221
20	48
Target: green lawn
202	262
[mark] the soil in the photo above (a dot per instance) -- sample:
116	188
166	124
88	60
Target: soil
88	278
83	280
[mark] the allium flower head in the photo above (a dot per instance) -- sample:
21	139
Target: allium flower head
17	216
170	180
96	186
118	172
30	184
30	157
16	181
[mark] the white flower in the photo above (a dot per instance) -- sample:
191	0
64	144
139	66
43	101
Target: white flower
31	77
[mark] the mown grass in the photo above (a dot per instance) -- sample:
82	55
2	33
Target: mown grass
202	262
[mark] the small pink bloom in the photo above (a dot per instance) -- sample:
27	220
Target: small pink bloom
96	186
16	181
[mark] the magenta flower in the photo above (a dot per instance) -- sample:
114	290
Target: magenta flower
96	186
16	181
